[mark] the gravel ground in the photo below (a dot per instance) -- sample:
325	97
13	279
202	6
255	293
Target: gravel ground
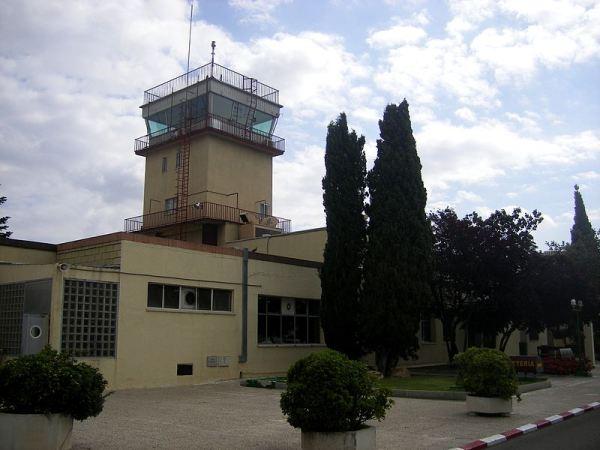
228	416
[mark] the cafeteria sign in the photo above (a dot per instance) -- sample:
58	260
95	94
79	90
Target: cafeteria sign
527	364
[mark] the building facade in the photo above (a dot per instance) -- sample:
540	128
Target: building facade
206	284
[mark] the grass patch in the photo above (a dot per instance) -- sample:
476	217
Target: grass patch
433	383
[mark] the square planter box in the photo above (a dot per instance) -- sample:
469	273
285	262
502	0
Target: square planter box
488	405
35	431
363	439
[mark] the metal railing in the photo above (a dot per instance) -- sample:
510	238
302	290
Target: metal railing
206	210
216	71
216	123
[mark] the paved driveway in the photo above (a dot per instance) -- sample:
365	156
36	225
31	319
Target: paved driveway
228	416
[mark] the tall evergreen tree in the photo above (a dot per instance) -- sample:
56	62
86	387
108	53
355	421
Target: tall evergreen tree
343	198
397	268
584	253
582	232
3	223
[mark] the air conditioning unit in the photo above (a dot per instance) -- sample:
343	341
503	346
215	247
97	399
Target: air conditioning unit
288	307
187	298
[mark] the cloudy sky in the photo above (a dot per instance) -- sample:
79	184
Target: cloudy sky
504	98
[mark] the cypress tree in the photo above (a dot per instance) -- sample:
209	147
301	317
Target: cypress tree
343	199
397	268
584	253
582	232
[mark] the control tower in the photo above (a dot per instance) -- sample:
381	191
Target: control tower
209	158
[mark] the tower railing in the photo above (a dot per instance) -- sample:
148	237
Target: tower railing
218	123
206	210
209	70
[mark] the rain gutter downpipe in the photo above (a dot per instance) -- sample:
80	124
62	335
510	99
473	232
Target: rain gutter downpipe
244	355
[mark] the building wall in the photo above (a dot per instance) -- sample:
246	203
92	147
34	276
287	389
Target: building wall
26	255
101	254
307	244
217	164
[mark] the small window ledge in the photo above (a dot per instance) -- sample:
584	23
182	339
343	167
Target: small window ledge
191	311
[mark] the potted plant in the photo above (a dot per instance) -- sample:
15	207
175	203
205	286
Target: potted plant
41	394
490	380
330	397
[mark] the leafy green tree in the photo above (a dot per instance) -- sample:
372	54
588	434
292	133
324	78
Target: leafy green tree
503	250
454	268
3	222
343	199
397	268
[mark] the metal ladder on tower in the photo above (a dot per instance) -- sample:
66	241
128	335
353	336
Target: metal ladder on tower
183	176
251	86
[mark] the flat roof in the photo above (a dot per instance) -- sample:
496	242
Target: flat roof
145	239
34	245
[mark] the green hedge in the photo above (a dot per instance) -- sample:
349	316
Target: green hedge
486	372
326	391
51	383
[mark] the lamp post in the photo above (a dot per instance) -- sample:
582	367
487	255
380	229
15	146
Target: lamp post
577	306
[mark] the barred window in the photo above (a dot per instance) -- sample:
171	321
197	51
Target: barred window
89	326
288	320
12	298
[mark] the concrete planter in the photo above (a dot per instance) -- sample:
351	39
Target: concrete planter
35	431
363	439
488	405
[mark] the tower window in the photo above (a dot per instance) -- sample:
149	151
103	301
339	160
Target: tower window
178	160
263	209
170	204
164	165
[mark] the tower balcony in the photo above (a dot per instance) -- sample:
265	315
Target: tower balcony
218	72
211	123
208	212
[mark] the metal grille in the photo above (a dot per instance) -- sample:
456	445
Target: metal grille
12	298
89	326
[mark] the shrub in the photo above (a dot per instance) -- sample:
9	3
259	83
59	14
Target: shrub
555	366
51	383
486	372
326	391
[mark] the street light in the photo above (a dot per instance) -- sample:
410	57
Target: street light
577	306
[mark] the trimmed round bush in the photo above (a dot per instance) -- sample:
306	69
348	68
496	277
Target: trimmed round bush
328	392
486	372
51	383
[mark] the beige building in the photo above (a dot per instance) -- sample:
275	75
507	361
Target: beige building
207	284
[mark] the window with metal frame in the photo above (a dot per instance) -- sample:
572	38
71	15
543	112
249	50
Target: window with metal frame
283	320
12	297
189	298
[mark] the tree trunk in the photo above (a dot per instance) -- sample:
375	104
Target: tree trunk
505	337
450	339
386	361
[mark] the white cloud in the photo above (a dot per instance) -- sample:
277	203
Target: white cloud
396	35
257	10
486	151
465	114
297	192
589	175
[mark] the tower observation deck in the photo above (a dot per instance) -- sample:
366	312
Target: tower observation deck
212	97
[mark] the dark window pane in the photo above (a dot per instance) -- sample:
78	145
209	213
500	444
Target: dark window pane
314	307
262	304
185	369
301	330
204	299
273	330
314	330
155	295
274	305
172	297
221	300
301	307
262	329
287	327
